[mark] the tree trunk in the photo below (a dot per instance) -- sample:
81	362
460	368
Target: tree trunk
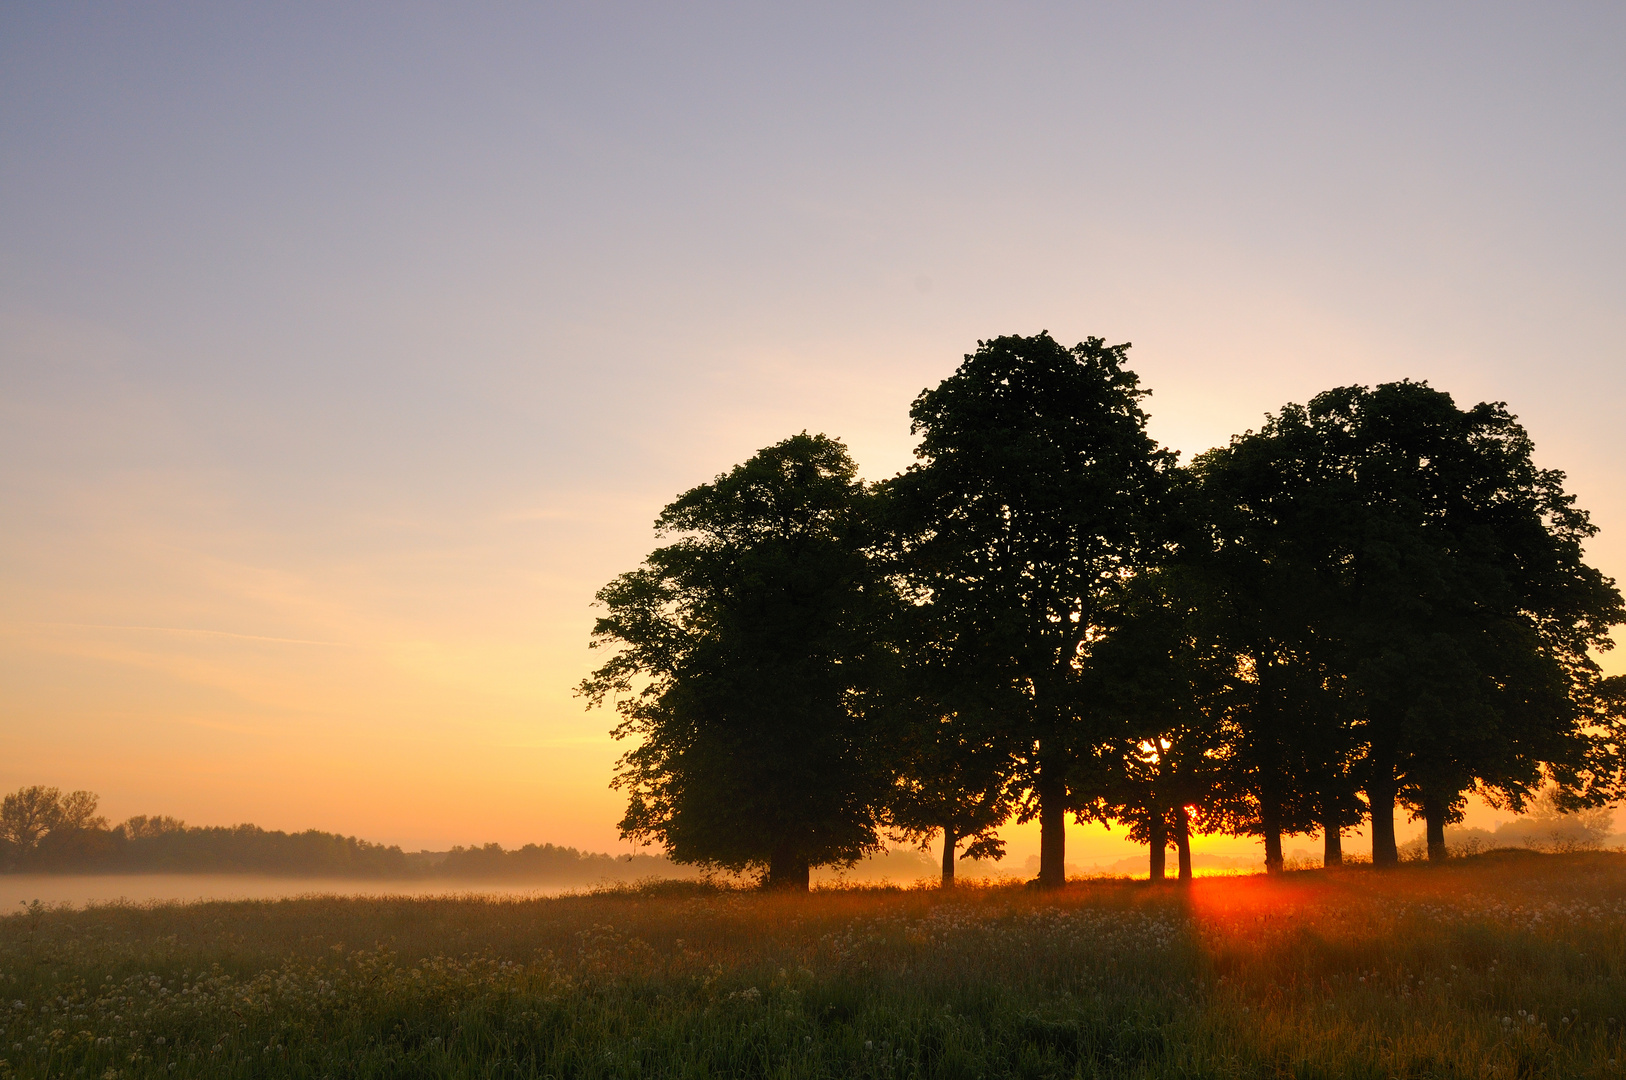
1159	844
1270	805
1434	821
1270	824
1182	841
949	840
1052	787
788	870
1334	852
1380	792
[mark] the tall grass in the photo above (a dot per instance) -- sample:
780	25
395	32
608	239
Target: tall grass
1491	967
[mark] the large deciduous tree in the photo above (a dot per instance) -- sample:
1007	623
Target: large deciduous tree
1169	685
1424	583
748	653
1036	493
954	771
1476	615
1264	517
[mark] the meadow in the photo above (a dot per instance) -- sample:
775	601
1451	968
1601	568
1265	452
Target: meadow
1496	966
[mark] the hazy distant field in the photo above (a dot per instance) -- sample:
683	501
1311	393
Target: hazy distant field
79	889
1495	967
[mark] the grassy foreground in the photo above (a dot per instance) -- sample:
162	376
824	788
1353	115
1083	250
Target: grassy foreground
1499	966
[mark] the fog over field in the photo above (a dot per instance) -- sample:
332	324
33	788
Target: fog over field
79	890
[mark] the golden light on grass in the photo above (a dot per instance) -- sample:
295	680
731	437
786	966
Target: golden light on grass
1506	966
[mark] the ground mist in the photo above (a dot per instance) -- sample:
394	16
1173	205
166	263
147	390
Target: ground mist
1497	966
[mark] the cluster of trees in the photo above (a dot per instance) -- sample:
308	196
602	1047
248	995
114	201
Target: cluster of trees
43	829
550	863
1375	601
1542	827
43	826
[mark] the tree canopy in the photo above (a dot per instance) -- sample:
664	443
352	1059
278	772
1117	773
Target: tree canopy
1036	493
1412	599
747	664
1374	601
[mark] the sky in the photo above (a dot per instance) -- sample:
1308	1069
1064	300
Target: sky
346	350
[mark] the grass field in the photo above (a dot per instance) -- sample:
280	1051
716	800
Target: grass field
1499	966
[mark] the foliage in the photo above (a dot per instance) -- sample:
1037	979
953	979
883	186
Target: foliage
81	842
953	759
954	779
1036	493
1170	688
1410	586
1376	599
748	658
548	862
37	816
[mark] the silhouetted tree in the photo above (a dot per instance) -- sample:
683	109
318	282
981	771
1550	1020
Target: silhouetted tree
1477	615
747	658
142	827
42	824
954	766
1169	686
955	778
547	862
1262	524
1036	491
1423	582
28	814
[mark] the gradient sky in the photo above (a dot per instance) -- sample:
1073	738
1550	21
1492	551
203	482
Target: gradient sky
346	350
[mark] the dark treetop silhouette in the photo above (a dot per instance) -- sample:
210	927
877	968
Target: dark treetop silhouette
748	653
1414	610
1376	594
1036	494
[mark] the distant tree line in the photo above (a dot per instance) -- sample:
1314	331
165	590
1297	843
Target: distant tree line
550	863
44	830
1375	601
